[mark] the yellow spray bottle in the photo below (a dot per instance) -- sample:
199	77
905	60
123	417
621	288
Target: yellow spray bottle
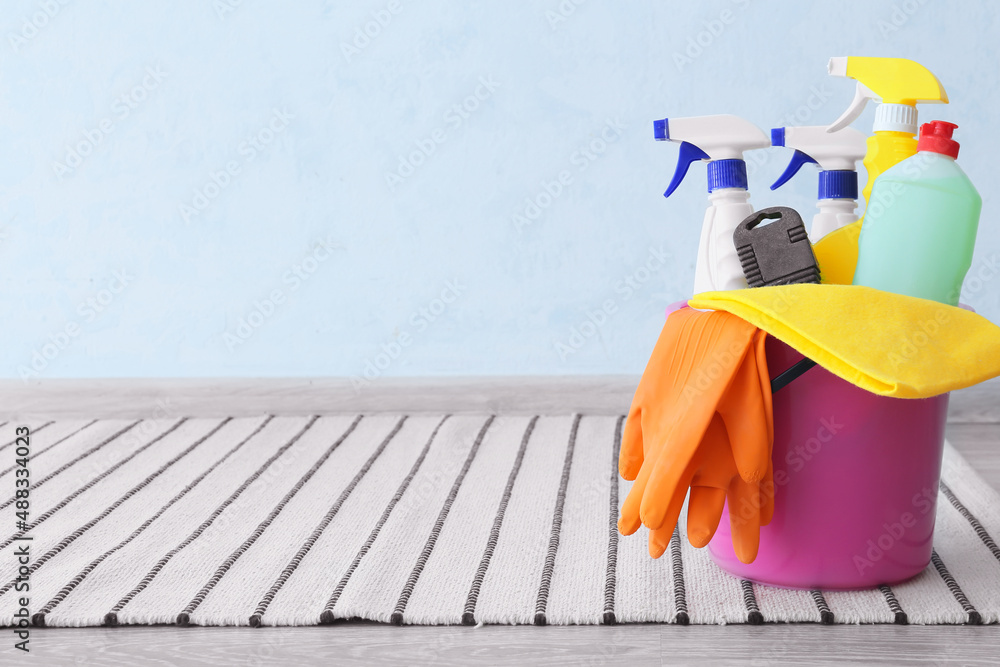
899	85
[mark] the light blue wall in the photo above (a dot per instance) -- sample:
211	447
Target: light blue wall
173	94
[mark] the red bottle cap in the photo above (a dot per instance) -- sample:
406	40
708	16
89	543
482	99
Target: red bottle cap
935	137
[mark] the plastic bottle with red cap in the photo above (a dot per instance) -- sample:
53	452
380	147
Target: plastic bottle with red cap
920	226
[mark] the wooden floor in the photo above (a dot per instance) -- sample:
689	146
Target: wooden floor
373	644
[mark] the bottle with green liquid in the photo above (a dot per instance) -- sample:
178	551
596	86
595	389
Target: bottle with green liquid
920	226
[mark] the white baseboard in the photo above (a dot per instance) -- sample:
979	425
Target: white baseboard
133	398
306	396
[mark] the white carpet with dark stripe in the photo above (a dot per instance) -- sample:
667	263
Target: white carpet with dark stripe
421	519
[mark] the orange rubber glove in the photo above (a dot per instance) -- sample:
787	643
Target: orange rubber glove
701	418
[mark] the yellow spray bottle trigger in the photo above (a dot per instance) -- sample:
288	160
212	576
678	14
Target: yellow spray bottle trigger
895	81
898	85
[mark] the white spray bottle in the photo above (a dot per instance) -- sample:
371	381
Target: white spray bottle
836	154
721	140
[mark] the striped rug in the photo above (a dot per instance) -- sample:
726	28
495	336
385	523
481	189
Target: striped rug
420	519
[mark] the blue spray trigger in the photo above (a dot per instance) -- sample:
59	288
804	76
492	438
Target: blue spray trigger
798	159
689	153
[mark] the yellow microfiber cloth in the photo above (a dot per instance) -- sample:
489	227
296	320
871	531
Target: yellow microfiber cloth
889	344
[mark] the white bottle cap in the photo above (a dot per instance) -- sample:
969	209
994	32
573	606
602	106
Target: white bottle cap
895	118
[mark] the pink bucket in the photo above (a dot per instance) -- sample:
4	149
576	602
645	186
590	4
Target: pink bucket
856	480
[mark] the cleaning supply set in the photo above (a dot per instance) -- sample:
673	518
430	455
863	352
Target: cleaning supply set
791	470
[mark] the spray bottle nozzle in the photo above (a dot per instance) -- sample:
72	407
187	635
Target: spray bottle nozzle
898	83
835	153
721	140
